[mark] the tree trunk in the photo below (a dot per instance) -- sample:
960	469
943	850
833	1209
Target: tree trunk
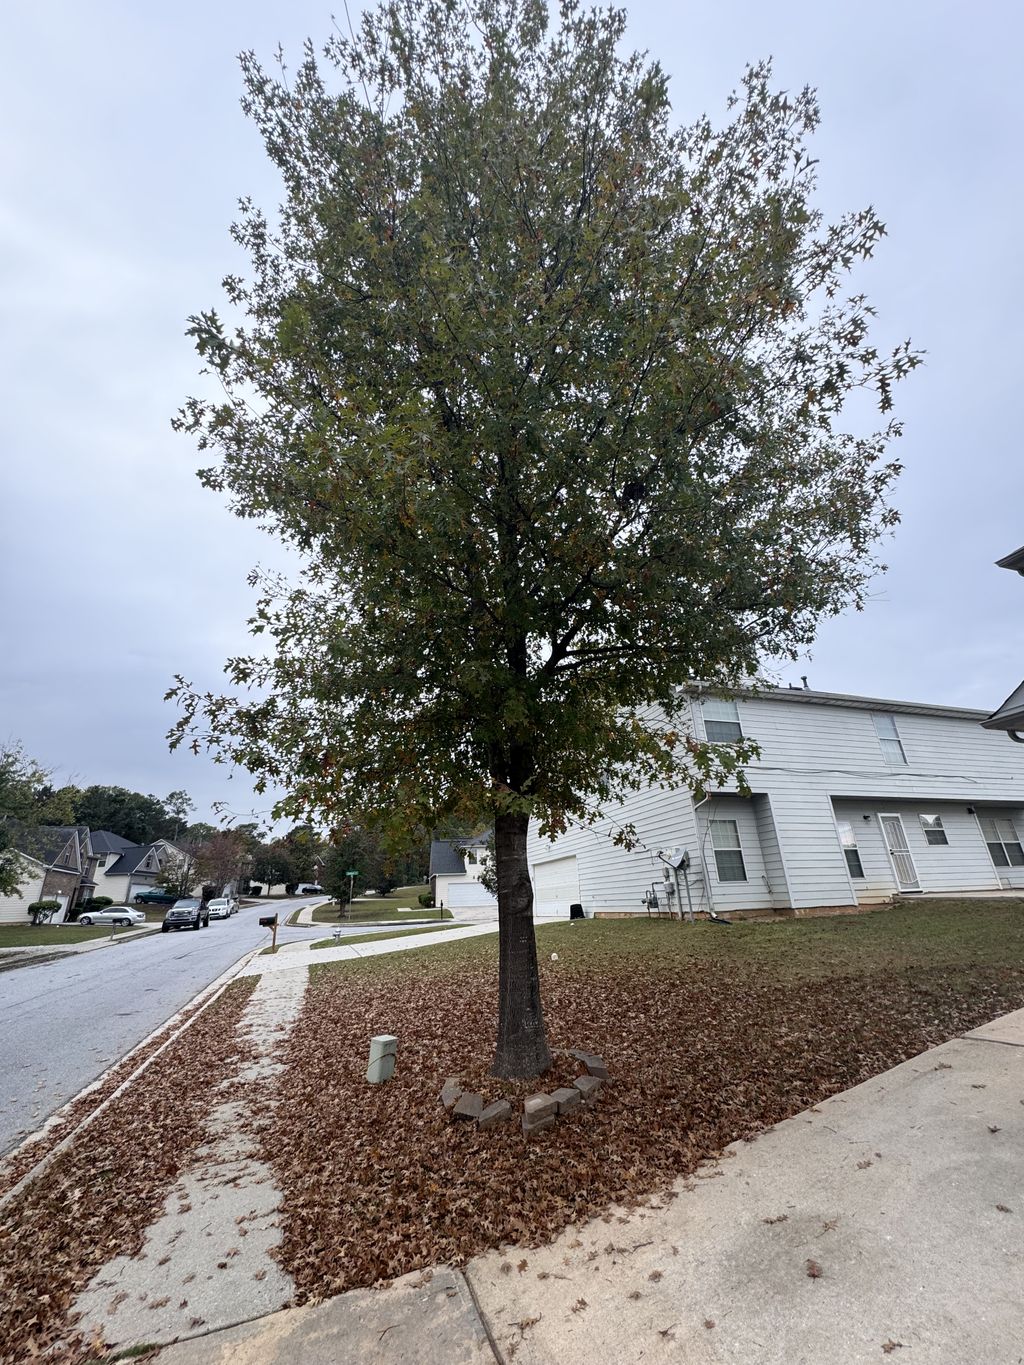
522	1049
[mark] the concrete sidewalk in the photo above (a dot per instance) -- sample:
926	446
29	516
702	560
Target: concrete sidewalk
298	956
889	1218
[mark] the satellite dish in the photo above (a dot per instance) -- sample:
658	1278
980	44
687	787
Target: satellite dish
678	858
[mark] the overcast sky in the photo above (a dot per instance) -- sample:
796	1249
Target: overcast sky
124	152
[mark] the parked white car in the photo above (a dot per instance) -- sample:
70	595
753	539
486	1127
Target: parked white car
223	907
112	914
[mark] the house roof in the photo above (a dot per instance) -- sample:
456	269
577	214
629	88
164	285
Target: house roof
445	858
103	841
808	696
46	843
1010	715
129	860
1013	561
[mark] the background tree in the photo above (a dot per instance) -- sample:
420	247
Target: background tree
222	858
550	393
28	803
178	804
179	874
378	865
272	865
138	818
197	833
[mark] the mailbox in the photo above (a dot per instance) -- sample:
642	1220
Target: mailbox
268	921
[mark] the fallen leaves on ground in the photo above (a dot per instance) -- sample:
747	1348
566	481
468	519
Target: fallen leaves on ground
377	1181
97	1199
18	1164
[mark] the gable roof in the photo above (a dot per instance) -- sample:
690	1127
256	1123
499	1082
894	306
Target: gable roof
130	859
52	845
104	841
1010	715
445	858
1012	561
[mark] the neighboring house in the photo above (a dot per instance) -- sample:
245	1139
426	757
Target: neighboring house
853	799
59	864
455	867
1010	716
127	868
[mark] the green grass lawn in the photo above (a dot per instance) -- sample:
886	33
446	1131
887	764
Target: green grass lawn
46	935
373	938
920	936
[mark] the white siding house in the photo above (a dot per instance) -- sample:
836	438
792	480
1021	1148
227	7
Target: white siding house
14	908
853	799
455	868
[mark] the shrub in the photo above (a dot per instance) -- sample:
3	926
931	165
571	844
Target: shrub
255	889
426	899
98	903
41	911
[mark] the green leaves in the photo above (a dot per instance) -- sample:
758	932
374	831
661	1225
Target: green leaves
549	393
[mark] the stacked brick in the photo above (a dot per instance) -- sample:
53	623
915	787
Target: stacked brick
539	1111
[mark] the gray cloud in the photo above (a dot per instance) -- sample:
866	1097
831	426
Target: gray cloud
125	153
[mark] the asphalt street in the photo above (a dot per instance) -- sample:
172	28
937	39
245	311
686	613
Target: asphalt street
62	1023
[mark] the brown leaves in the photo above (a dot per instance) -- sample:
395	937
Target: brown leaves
65	1225
814	1270
376	1182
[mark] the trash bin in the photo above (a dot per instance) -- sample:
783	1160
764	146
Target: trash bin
576	911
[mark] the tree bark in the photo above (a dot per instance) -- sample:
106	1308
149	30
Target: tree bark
522	1050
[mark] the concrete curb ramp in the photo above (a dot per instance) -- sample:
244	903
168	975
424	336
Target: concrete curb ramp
885	1223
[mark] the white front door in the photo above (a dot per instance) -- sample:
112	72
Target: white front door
899	852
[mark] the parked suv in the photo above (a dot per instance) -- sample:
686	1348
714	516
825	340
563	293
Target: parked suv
155	898
186	914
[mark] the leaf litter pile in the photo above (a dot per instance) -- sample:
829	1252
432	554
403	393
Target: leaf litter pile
96	1200
709	1036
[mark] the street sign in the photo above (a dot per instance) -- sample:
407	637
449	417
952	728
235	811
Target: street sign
352	872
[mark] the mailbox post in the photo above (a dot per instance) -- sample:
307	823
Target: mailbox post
270	922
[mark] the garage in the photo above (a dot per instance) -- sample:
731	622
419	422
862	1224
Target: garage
556	886
470	896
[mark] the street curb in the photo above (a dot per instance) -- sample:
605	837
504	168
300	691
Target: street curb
213	990
48	952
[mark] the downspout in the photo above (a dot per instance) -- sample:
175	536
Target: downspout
703	861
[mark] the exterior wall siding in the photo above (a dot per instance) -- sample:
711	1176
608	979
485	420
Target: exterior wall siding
819	761
754	892
14	909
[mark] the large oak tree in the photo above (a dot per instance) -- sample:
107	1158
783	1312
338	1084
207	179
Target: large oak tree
550	393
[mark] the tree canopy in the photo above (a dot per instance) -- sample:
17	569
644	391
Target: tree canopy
138	818
550	393
28	803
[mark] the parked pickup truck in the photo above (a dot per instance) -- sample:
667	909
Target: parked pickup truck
155	898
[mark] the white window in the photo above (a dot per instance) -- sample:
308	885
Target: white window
721	721
1003	842
725	839
849	843
933	831
889	739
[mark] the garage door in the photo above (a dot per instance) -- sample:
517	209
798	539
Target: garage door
556	886
469	896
